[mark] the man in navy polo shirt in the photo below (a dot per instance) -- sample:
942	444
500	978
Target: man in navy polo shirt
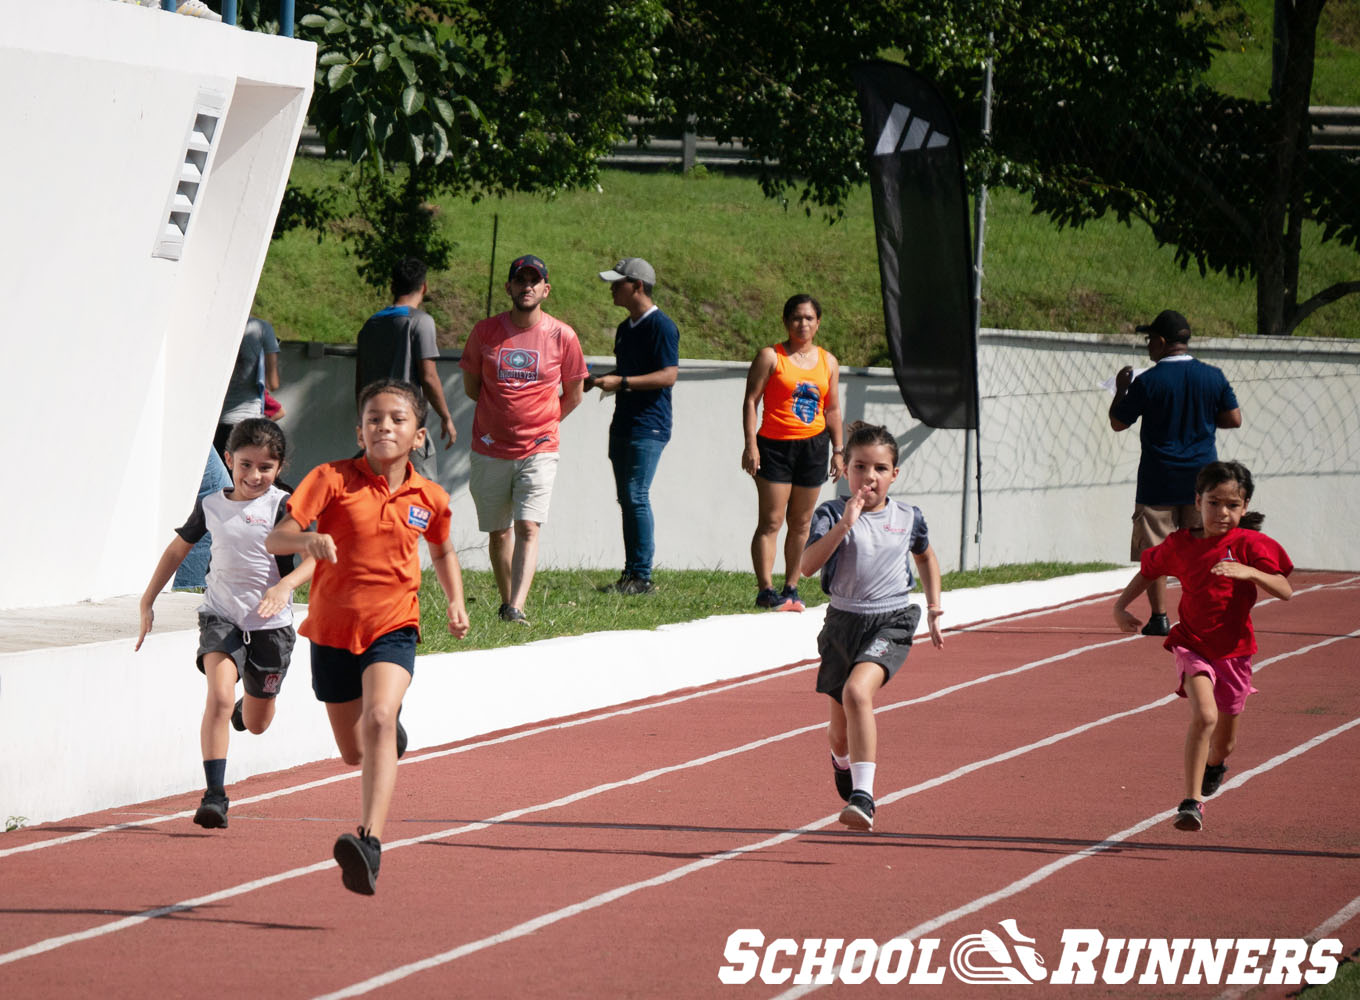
1181	402
647	352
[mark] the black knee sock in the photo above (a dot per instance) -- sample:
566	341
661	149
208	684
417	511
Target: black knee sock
215	772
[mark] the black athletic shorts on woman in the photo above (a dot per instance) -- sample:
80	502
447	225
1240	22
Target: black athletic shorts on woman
802	461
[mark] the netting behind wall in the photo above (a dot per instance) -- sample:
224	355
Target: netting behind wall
1045	413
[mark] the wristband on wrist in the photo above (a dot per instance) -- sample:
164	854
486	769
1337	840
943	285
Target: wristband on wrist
623	383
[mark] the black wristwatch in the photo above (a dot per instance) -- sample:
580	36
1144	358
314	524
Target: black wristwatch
623	383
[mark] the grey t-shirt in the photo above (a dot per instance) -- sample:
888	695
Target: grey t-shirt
392	343
245	391
871	570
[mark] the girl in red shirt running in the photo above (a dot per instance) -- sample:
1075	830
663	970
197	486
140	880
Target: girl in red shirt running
1220	568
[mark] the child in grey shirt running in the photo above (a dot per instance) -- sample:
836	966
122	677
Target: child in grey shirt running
864	547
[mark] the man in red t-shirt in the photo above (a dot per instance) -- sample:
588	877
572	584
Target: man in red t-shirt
525	371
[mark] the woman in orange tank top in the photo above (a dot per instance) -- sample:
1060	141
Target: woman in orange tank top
797	386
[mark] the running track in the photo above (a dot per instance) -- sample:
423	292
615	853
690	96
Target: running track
1026	771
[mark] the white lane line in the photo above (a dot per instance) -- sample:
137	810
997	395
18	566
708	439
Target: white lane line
139	918
125	923
428	755
38	845
537	923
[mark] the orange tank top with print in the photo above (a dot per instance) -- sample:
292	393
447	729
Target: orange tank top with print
795	398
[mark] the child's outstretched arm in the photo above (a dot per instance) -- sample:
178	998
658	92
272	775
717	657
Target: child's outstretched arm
170	559
289	539
450	576
1122	617
928	566
1272	583
277	596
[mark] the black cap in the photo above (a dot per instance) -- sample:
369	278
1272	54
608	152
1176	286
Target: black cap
1169	325
528	260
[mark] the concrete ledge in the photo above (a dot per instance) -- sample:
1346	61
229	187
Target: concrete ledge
93	726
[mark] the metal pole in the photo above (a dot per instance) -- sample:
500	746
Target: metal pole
229	12
491	276
979	244
286	18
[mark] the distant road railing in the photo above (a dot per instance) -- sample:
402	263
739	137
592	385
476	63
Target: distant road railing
1332	129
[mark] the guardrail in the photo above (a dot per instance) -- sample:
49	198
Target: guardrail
229	13
1336	129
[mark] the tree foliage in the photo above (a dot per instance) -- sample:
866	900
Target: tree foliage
1099	108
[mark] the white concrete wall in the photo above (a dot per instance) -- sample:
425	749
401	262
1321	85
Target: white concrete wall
1058	484
117	360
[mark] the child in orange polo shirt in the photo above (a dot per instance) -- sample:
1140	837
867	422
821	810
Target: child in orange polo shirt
364	614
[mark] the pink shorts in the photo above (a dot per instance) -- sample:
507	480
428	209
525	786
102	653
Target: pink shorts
1231	677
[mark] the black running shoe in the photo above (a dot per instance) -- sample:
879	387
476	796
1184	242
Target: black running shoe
772	600
359	858
401	736
844	784
212	811
513	615
635	586
1157	625
238	721
1190	815
1213	777
790	594
858	813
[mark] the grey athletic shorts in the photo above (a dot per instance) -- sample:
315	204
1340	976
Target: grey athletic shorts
848	638
261	657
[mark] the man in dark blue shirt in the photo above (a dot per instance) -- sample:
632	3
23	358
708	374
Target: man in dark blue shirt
1181	402
647	356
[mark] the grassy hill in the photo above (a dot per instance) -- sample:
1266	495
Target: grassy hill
727	257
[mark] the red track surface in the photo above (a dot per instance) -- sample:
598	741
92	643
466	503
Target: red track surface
592	859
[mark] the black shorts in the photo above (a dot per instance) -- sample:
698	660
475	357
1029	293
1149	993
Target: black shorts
848	638
802	462
338	674
261	657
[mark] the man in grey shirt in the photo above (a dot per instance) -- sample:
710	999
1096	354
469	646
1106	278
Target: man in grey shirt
399	342
256	369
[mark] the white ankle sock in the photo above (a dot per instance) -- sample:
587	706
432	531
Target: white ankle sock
862	777
842	762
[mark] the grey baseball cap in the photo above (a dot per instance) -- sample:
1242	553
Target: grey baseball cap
630	269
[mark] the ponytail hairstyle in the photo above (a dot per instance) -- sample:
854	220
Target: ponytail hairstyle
258	432
1218	473
864	435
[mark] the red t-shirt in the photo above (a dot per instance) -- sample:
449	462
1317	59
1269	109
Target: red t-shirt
373	588
518	410
1215	611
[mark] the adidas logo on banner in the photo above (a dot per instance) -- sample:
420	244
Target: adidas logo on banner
903	133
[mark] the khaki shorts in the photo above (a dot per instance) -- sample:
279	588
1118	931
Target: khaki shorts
505	490
1153	525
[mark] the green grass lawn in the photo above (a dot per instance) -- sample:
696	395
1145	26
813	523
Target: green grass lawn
568	602
727	257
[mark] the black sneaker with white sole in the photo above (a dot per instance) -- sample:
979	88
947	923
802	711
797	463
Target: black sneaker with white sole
1190	815
844	783
858	813
212	811
1213	777
238	720
359	858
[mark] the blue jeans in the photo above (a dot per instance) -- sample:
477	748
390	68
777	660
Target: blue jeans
635	461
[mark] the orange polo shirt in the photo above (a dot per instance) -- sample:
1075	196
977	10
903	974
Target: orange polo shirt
374	586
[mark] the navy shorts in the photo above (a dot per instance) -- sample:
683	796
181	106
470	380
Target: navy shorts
338	674
802	461
848	638
261	657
